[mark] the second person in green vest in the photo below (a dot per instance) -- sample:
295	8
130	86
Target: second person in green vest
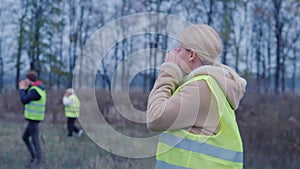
72	111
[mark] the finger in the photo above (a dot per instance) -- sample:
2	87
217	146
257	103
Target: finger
170	57
167	58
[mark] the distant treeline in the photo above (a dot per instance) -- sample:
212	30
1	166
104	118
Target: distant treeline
260	38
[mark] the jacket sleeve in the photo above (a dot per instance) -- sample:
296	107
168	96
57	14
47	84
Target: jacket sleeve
27	96
171	112
68	100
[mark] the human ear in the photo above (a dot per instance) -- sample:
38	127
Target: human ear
192	56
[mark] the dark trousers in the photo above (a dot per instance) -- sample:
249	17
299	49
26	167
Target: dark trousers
32	130
71	126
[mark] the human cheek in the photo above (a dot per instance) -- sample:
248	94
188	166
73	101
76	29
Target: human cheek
180	55
184	67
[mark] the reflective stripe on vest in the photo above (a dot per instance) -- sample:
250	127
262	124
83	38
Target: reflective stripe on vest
162	164
201	147
180	149
35	109
73	110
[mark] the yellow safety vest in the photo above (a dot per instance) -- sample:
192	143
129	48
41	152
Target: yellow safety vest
35	109
180	149
73	110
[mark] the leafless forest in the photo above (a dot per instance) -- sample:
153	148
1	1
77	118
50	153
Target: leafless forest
260	38
261	41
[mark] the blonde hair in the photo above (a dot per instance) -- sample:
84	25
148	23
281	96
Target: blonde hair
70	90
205	41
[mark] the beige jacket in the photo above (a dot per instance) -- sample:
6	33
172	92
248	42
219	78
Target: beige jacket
193	108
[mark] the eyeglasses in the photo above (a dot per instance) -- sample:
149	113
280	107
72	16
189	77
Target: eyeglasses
188	50
179	49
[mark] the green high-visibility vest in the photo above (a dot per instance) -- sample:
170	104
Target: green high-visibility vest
73	110
180	149
35	109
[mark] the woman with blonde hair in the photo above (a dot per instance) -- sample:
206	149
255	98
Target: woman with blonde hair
193	101
72	111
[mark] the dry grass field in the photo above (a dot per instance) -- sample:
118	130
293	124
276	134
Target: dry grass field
269	126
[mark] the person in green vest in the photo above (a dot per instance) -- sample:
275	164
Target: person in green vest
193	102
33	96
72	111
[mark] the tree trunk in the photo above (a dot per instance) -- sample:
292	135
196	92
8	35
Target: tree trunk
20	47
282	73
116	60
226	30
145	73
124	53
278	33
157	37
58	79
1	60
72	40
1	70
210	12
269	59
294	65
37	39
237	55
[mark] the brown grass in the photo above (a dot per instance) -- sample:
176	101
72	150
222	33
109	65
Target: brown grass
269	125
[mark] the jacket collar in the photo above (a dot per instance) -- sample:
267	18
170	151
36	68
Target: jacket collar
37	83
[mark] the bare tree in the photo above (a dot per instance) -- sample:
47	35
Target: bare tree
79	29
208	7
294	60
278	32
290	37
1	68
226	29
258	39
238	30
35	39
20	41
1	58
